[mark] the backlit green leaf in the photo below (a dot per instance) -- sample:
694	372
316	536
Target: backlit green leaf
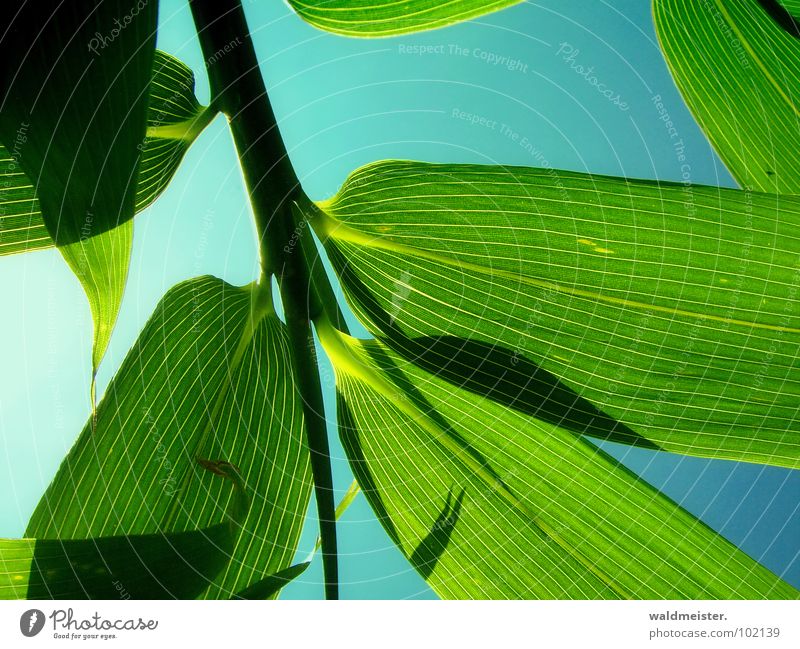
149	566
209	376
487	502
374	18
737	64
350	495
101	262
649	313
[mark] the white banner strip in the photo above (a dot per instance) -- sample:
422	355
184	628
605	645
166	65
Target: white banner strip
374	625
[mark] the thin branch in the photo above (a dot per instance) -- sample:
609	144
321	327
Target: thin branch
238	90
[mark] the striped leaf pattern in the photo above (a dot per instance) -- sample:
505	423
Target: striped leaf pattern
376	18
101	265
490	503
144	566
209	377
81	105
737	64
152	566
21	226
100	261
174	119
648	313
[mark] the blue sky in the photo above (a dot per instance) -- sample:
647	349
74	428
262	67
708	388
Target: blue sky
514	87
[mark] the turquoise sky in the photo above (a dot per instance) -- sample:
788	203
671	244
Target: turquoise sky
511	88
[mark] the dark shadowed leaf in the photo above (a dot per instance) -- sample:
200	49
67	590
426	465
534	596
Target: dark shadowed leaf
152	566
175	118
148	566
271	586
76	78
792	6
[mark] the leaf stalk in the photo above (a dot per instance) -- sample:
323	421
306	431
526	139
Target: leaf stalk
238	90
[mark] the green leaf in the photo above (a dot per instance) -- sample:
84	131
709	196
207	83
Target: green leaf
209	376
649	313
75	78
375	18
737	64
175	118
101	265
271	585
152	566
149	566
21	226
350	495
791	6
487	502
